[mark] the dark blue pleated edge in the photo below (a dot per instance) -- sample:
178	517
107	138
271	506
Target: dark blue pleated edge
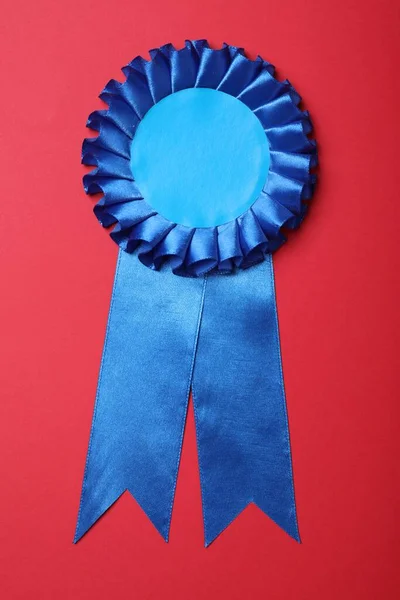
189	251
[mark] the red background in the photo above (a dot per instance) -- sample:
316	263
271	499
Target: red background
337	281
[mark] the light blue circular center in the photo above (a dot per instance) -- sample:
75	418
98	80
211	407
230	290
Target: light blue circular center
200	157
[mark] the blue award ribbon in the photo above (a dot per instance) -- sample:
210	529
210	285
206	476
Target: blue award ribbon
143	392
239	402
203	160
218	335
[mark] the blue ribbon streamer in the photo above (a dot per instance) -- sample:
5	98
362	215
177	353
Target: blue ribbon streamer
218	334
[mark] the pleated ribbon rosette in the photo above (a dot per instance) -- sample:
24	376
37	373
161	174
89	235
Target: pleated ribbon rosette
201	163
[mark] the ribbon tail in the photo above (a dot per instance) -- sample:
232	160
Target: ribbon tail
142	394
239	403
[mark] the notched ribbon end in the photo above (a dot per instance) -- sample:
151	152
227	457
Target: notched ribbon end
288	522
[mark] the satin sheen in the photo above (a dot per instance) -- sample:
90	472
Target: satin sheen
164	334
187	250
215	329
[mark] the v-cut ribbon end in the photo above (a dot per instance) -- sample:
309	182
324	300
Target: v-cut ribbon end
213	527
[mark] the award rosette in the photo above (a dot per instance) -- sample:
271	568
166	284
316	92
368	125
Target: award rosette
201	163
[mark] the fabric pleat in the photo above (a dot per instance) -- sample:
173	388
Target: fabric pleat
252	236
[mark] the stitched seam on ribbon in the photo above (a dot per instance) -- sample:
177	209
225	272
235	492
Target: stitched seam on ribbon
196	420
84	484
287	434
200	468
196	339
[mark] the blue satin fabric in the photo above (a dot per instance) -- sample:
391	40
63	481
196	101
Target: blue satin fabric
166	333
142	393
224	247
239	402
